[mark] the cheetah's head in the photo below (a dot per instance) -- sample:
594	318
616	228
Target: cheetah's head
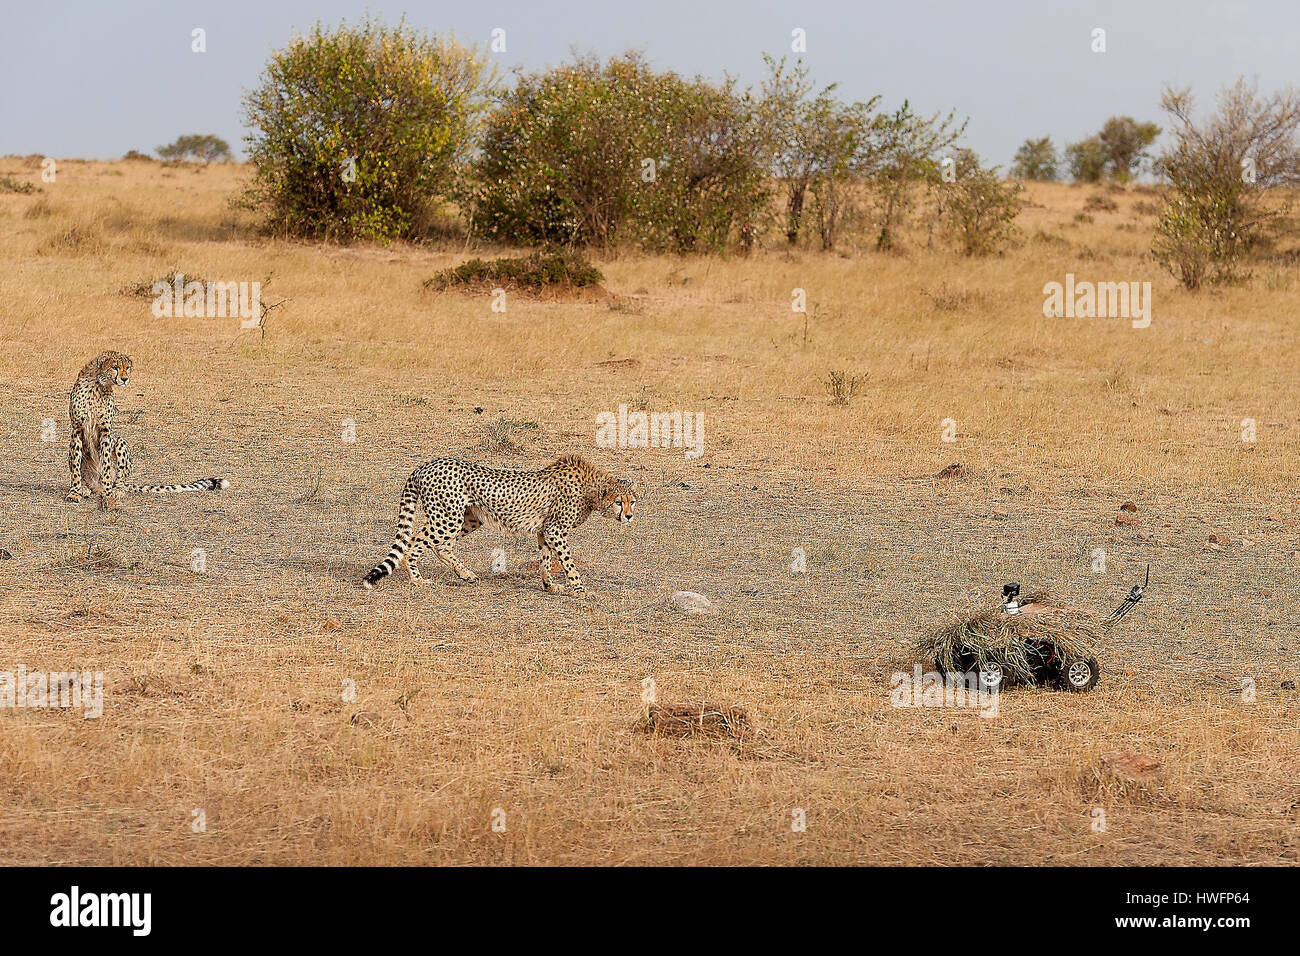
116	369
619	501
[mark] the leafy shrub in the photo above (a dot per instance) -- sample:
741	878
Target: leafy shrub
1086	160
813	144
979	207
592	154
135	156
10	185
904	154
1116	152
1100	203
564	270
1219	173
357	131
1036	159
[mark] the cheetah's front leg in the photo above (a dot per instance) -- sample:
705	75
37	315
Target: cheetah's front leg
77	488
109	470
554	538
121	463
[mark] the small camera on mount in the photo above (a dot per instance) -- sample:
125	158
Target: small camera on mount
1011	598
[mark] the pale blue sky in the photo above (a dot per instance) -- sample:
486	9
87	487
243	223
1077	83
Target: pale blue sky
95	78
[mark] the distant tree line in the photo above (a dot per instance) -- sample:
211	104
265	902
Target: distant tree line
373	132
1116	153
366	131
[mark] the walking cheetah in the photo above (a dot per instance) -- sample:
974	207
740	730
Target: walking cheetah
459	496
106	457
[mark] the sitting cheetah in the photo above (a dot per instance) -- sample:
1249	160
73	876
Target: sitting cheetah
107	457
459	496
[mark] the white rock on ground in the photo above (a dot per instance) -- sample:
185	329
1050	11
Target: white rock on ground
691	602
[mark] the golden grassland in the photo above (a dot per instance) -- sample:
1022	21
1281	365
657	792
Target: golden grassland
225	689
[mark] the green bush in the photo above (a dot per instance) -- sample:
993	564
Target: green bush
592	154
1227	180
1036	159
358	131
979	207
10	185
562	270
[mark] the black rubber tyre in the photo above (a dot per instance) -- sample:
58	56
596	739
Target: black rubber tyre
1079	675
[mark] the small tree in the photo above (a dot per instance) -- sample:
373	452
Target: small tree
1125	142
1036	159
197	148
1116	152
978	207
356	131
845	148
1225	178
813	144
1086	160
905	152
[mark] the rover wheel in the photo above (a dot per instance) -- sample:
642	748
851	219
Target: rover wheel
1080	674
992	676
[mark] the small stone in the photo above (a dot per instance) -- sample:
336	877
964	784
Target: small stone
1133	766
691	602
1128	506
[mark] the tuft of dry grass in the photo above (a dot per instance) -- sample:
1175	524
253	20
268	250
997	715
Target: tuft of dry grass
700	719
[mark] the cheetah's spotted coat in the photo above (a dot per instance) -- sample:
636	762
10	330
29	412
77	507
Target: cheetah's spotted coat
459	496
105	455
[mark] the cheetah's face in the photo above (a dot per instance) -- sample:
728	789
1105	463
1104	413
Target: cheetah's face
621	501
120	368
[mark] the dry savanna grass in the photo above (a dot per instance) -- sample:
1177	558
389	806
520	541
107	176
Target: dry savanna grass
267	710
